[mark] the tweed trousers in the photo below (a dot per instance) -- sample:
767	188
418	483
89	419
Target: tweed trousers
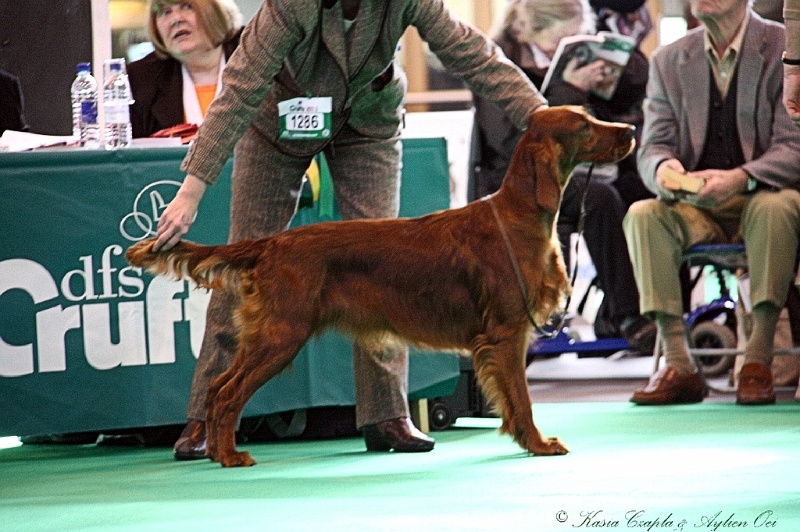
265	191
658	232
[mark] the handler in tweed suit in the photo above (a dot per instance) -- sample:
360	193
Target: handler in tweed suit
346	50
714	108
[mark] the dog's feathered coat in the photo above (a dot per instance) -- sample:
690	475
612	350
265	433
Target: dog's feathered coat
444	281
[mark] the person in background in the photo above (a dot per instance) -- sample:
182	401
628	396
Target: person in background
791	60
340	54
630	18
176	83
12	103
529	36
714	112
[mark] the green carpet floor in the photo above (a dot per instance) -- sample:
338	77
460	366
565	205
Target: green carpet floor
697	467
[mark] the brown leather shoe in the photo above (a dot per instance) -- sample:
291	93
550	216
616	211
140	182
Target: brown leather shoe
667	387
755	385
399	434
192	443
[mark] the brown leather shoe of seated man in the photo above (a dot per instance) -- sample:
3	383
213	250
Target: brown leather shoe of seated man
755	385
668	387
192	443
399	434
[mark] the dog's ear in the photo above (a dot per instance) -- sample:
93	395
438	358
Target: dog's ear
548	186
541	165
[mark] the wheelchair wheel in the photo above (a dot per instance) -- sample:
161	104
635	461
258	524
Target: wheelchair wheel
713	335
440	417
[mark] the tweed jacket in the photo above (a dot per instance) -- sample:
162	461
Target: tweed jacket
294	48
157	87
676	112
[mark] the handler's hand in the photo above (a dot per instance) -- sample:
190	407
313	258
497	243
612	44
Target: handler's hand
179	215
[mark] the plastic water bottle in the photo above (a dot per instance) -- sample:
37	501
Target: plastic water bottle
84	107
116	105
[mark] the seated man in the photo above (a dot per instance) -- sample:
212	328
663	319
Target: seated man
714	108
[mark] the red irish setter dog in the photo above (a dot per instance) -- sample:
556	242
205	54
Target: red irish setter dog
449	280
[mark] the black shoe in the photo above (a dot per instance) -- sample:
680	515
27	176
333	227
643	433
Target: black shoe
192	443
640	333
399	434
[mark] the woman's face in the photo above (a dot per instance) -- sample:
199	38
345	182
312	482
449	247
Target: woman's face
519	27
548	38
182	35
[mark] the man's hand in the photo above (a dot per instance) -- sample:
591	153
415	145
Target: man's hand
721	185
791	92
179	215
664	190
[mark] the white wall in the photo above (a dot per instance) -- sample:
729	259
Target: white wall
248	7
456	128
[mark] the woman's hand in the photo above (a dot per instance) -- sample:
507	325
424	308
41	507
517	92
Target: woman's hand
586	77
179	215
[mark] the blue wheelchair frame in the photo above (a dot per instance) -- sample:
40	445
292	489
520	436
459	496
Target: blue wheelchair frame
721	256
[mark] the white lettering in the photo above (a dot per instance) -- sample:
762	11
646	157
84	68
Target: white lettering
51	328
131	277
195	313
106	270
163	310
88	282
142	332
32	277
101	352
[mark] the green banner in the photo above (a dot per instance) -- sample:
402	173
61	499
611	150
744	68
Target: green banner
88	343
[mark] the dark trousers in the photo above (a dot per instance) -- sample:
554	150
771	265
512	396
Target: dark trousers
605	240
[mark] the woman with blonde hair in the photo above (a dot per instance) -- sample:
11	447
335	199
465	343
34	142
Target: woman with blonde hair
176	83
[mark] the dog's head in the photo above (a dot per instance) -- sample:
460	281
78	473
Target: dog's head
558	139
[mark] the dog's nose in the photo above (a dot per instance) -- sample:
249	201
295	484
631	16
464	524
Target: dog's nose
631	132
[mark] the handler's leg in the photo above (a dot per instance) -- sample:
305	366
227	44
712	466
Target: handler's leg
265	189
366	176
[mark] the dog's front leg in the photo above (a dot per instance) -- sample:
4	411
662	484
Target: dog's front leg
501	374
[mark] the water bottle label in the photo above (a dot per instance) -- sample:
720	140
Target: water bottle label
117	113
89	112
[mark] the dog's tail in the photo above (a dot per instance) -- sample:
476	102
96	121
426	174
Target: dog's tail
208	266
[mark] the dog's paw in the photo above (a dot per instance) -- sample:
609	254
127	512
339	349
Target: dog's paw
242	459
549	447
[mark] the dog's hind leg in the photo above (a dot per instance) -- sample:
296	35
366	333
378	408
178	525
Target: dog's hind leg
211	421
260	358
500	369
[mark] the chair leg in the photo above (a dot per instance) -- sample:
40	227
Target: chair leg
657	351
